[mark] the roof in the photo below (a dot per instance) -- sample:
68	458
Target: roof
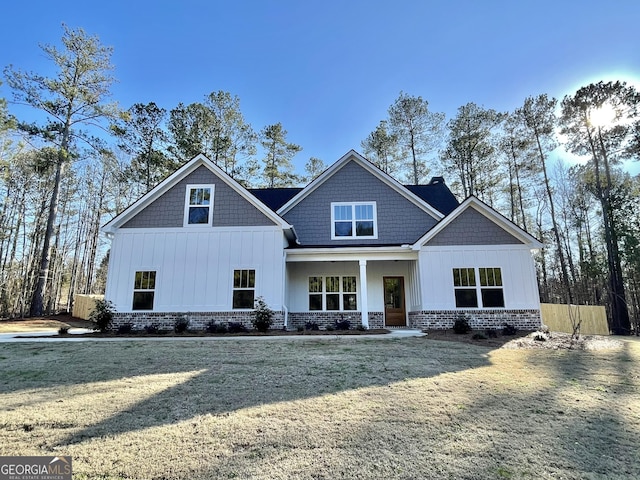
436	194
353	156
175	177
274	198
499	219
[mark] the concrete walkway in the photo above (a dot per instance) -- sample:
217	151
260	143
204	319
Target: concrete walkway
46	336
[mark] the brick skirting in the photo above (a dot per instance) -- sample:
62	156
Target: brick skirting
323	319
478	319
197	320
431	319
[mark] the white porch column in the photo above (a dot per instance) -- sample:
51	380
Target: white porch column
364	297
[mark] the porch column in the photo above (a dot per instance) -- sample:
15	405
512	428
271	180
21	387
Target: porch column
364	297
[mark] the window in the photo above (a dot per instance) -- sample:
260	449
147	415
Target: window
492	297
353	220
144	286
465	286
198	205
244	288
332	293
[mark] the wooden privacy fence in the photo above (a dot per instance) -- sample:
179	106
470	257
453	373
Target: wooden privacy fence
558	318
83	305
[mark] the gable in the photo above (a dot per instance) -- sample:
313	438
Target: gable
399	219
472	228
229	207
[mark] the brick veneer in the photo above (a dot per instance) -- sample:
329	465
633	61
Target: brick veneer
433	319
197	320
478	319
299	319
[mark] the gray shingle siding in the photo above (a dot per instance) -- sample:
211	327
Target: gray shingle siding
399	220
473	228
229	208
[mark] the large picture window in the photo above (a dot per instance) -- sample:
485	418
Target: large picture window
244	288
480	287
144	287
198	205
354	220
333	293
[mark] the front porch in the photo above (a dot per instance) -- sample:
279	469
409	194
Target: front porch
373	287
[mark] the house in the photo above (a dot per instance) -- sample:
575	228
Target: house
353	244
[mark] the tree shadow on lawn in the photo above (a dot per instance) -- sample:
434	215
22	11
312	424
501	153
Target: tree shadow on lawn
574	417
562	414
244	374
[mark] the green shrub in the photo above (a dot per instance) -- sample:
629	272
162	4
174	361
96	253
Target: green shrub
461	325
509	329
491	333
342	324
237	327
329	328
102	315
63	331
125	329
181	325
311	326
263	318
213	327
300	329
152	328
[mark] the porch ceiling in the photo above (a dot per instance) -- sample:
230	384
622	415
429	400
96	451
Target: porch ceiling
350	254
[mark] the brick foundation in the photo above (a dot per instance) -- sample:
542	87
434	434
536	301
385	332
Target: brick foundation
478	319
197	320
299	319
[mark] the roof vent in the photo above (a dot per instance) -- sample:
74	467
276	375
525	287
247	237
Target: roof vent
436	180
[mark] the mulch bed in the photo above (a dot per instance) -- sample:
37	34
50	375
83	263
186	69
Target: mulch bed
527	340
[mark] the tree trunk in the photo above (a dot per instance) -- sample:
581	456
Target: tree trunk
561	257
37	300
619	311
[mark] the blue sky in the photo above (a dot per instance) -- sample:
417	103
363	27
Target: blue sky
328	70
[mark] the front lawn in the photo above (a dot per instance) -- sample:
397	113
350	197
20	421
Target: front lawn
331	408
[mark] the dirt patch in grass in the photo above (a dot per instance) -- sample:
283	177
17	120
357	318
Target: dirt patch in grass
54	322
528	340
336	407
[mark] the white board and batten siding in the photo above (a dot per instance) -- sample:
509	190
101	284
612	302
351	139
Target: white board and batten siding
195	267
515	261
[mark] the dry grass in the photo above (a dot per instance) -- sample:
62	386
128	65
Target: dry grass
335	408
41	324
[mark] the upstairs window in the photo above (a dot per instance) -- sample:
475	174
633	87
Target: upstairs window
198	208
354	220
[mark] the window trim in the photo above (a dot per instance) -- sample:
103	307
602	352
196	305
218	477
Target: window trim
341	293
235	289
144	290
478	287
188	205
354	221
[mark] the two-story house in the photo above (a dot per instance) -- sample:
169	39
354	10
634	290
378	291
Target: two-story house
353	244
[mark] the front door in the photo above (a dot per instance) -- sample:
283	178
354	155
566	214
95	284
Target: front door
394	310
